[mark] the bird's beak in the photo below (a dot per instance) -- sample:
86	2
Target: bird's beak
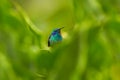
61	27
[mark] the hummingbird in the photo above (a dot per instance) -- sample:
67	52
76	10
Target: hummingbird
55	37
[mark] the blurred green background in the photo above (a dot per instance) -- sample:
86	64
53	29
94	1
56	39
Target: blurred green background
90	49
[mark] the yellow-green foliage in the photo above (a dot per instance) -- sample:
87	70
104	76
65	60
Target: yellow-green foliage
90	49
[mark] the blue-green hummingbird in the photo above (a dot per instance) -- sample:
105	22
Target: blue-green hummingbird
55	37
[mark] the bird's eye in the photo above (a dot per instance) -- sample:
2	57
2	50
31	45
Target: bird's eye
56	31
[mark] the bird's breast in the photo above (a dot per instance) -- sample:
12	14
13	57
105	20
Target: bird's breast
56	37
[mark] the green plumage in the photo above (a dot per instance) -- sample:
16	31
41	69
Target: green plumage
55	37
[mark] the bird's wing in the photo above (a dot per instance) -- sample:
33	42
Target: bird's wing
49	41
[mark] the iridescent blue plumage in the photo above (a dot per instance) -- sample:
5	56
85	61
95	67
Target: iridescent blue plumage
55	37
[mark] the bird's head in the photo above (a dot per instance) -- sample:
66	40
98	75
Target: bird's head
57	30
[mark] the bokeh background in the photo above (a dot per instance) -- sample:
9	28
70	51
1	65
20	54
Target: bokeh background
90	49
